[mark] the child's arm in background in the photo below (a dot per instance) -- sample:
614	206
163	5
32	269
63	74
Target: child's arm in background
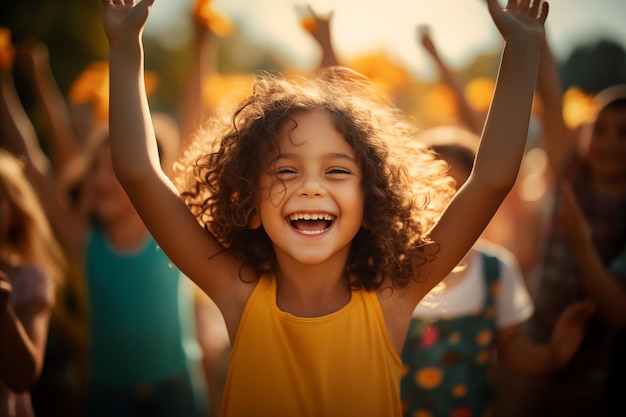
204	62
21	139
24	334
136	162
601	285
467	114
319	28
558	140
502	141
61	133
18	133
517	353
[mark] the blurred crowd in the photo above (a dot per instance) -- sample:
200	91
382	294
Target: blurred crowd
95	318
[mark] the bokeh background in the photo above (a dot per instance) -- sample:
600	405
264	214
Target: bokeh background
377	37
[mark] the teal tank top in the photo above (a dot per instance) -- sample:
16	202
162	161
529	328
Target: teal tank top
142	327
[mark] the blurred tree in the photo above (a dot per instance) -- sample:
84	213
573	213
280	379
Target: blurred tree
593	67
72	29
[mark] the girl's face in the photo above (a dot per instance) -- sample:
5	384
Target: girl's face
107	197
607	148
313	206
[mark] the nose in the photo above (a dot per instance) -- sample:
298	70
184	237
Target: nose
311	186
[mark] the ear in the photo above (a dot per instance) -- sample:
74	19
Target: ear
255	221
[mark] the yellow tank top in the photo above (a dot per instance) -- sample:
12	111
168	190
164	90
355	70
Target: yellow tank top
338	365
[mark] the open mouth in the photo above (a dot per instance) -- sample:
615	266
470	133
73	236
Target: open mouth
311	223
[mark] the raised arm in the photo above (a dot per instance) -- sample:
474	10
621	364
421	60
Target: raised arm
18	133
204	62
603	286
559	141
467	114
319	28
137	166
503	139
65	143
19	136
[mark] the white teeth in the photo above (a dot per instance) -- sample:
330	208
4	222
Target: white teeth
311	216
312	232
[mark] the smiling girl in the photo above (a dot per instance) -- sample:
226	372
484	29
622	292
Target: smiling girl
306	222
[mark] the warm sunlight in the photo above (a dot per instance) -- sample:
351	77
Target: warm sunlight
360	27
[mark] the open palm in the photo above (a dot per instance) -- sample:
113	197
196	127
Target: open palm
123	18
521	19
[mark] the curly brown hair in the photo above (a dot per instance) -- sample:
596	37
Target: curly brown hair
405	186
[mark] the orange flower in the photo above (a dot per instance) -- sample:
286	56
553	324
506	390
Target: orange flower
578	107
483	357
429	377
309	24
93	82
484	337
378	67
220	87
440	105
92	87
6	48
478	93
459	390
218	23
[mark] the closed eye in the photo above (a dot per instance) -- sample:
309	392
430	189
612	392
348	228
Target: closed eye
337	170
284	171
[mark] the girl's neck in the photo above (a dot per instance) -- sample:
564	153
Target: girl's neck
126	232
311	292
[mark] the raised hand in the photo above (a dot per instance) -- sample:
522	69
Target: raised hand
569	330
572	219
318	26
423	35
123	19
5	291
521	19
32	56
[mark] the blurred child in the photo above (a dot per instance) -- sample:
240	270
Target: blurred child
144	357
31	263
472	320
60	389
588	171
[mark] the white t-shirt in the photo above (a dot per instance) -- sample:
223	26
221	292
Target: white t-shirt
467	294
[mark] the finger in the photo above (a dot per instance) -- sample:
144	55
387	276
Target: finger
523	6
543	15
311	10
511	5
494	7
534	8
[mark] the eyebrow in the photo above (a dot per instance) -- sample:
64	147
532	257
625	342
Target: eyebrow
333	155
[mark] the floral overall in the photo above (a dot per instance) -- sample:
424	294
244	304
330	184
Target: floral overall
448	362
